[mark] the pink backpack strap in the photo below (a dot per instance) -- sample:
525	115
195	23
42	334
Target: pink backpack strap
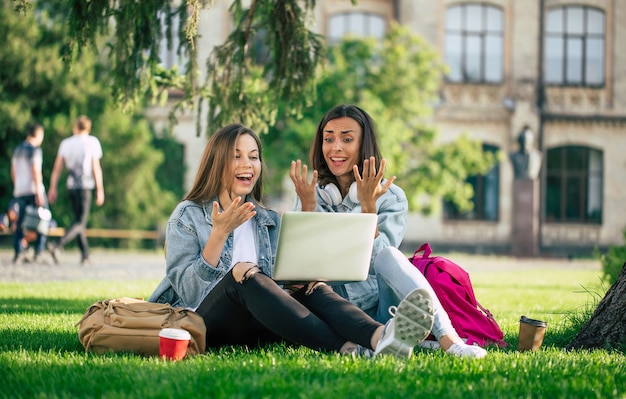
485	311
424	247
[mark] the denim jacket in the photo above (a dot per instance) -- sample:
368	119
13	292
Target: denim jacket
392	211
189	278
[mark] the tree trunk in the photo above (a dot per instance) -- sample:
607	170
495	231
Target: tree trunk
607	326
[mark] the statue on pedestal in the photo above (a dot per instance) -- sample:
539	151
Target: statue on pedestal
527	160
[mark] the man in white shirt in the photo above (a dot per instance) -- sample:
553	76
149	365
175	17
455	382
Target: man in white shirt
80	154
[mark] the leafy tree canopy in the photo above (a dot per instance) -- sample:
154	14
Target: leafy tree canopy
35	85
135	29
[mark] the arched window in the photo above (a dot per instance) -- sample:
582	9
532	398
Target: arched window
357	23
474	43
486	195
574	47
574	185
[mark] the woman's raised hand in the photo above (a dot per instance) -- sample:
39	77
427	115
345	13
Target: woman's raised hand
305	190
233	216
224	223
368	186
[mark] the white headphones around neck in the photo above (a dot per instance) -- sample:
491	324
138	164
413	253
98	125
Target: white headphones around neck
332	196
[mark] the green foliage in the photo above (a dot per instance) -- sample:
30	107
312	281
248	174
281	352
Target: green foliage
35	84
442	173
136	200
234	88
171	171
613	260
397	83
239	90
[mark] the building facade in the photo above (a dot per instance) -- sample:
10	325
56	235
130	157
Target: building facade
549	67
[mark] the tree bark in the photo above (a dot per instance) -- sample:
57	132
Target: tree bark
607	326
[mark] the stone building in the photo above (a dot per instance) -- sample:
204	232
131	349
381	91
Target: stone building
551	67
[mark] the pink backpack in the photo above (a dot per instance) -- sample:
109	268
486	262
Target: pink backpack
454	289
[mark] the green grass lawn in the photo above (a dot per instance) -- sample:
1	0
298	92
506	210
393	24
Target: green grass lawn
41	357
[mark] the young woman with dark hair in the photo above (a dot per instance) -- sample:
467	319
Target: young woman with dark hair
348	176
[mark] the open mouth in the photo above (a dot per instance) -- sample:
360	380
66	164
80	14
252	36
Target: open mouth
338	161
246	177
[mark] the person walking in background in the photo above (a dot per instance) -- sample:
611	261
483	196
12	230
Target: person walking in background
80	154
28	188
350	169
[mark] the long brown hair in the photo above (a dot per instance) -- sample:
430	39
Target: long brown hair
369	143
216	162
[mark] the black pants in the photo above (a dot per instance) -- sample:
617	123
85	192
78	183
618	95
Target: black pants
259	311
81	204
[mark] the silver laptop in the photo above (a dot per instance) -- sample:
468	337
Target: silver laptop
321	246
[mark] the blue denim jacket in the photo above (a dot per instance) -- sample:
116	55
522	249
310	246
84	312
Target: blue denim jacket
392	209
189	278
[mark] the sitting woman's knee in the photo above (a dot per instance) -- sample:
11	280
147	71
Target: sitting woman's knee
387	255
243	271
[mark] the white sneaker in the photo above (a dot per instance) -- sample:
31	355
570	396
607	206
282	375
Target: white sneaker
462	349
411	324
429	344
359	351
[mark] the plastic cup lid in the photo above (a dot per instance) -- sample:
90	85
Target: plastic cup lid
175	333
538	323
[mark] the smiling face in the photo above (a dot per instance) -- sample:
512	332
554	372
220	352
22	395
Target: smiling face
245	170
341	148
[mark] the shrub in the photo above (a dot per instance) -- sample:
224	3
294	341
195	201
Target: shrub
613	261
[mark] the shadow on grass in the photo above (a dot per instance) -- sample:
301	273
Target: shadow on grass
48	324
40	340
44	306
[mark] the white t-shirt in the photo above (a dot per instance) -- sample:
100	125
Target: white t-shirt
78	153
244	245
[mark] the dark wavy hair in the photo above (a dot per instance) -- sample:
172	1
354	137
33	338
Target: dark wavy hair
369	143
31	129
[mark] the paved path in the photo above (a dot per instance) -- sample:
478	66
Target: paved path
140	265
106	265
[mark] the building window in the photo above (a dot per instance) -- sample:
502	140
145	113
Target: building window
474	43
486	195
260	52
359	24
574	185
170	52
574	48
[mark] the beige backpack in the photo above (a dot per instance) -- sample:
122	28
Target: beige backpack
133	325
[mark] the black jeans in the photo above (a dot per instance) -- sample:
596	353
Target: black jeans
259	311
81	204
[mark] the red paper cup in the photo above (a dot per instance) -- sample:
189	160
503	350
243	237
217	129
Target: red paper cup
173	343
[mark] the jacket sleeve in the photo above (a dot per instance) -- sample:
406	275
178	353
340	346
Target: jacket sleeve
190	275
392	210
